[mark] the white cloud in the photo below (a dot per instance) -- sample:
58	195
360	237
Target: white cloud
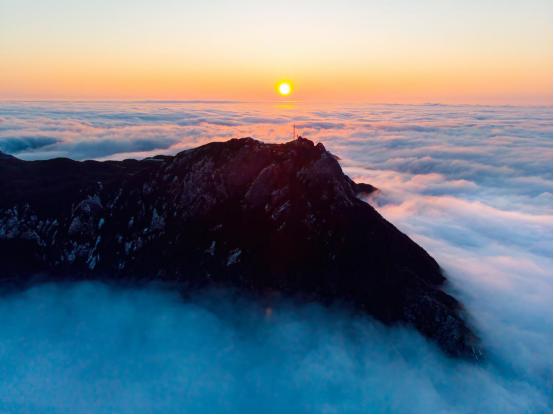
472	185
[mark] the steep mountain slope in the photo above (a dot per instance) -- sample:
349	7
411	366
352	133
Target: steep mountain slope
261	217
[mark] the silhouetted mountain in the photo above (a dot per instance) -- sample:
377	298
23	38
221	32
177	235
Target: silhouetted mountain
262	217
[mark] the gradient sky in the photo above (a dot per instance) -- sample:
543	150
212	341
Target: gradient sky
471	51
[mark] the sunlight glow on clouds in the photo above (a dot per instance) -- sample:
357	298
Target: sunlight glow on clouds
471	184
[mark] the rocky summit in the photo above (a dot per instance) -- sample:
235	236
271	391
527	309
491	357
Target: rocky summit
264	218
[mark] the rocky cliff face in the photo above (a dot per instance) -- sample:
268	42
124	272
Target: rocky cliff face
261	217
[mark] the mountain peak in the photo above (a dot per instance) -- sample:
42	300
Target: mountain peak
261	217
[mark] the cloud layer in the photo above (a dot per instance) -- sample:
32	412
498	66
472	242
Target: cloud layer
471	184
90	347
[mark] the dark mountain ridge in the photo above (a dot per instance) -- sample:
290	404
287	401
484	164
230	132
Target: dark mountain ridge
260	217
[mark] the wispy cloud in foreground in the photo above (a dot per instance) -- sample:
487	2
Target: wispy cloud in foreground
89	347
473	185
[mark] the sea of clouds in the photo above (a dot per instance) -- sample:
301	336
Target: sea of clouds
471	184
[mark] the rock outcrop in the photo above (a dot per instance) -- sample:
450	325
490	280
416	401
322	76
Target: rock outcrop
261	217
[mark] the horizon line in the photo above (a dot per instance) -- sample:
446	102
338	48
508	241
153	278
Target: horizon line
234	101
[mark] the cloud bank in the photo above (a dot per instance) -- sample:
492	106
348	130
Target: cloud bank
91	347
471	184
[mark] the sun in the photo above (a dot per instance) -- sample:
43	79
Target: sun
284	88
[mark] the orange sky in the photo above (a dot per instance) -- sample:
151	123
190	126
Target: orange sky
372	51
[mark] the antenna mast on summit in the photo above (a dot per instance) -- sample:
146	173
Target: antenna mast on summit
294	131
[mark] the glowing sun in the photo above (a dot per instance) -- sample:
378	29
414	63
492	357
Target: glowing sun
284	88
